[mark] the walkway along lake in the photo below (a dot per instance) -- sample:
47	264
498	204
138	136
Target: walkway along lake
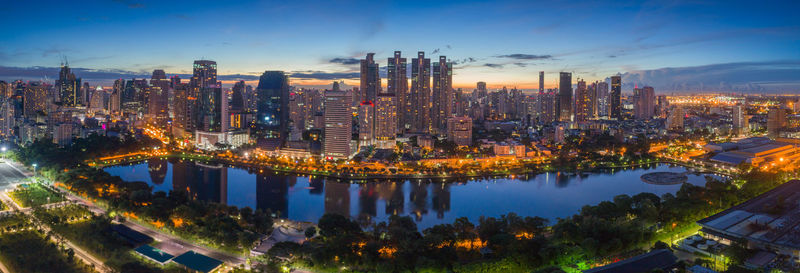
302	198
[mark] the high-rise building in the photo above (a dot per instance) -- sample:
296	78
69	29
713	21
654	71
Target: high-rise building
35	99
338	125
158	108
675	119
584	102
397	84
213	109
459	130
776	121
68	87
115	100
661	106
272	108
615	98
370	79
366	123
237	97
565	96
386	115
420	93
602	98
644	100
541	82
442	104
739	118
481	87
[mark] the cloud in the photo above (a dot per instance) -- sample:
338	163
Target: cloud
435	51
96	75
322	75
770	76
521	64
493	65
519	56
465	60
131	4
345	61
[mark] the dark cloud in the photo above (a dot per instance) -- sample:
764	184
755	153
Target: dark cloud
448	47
493	65
519	56
612	56
322	75
345	61
95	75
435	51
521	64
775	76
464	61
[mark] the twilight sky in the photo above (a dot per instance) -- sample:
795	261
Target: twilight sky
672	45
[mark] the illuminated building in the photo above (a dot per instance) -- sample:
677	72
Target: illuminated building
338	125
459	130
35	100
644	102
158	109
420	94
237	106
584	102
615	98
386	115
370	79
442	94
68	87
272	109
602	98
675	119
776	121
115	100
564	105
366	123
740	120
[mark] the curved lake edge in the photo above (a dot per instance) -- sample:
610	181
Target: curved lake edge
364	178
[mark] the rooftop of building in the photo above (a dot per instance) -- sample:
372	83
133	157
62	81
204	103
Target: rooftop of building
773	217
660	258
198	262
154	253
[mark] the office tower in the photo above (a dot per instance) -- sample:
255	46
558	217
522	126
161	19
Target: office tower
481	87
675	119
272	108
115	100
397	84
661	106
386	115
776	121
83	95
35	100
644	102
564	97
740	120
213	109
370	79
7	120
459	130
583	102
541	82
547	102
98	100
68	87
5	90
420	93
237	97
442	94
338	125
184	108
366	123
614	98
158	109
602	99
204	73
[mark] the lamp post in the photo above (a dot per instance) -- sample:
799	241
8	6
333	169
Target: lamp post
4	152
34	171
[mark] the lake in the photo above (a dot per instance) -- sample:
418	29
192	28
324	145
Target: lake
548	195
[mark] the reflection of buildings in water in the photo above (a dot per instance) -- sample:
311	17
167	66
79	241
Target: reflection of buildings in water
200	181
392	193
317	185
562	179
158	170
367	200
272	193
337	198
441	199
419	202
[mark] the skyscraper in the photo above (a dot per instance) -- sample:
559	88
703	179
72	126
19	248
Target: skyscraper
442	104
739	118
68	87
213	109
675	119
565	96
366	123
776	121
35	99
614	98
420	93
158	109
272	108
602	99
397	84
583	102
386	114
644	100
541	82
370	79
338	125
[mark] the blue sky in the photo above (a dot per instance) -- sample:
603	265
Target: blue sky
501	42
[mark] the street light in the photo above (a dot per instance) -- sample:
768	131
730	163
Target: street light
34	171
4	152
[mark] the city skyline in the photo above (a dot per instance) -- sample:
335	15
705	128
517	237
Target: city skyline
670	46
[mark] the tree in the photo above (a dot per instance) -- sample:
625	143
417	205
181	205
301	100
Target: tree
310	232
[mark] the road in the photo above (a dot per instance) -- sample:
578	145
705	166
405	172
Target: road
9	176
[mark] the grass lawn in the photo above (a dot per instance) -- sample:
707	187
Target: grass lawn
28	195
37	255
